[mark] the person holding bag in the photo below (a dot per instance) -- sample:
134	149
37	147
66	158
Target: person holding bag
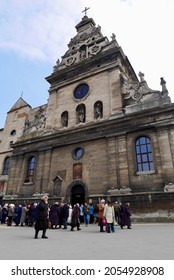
109	214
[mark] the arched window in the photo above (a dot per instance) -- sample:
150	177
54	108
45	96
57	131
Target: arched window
98	110
144	154
64	119
81	113
6	166
13	132
30	170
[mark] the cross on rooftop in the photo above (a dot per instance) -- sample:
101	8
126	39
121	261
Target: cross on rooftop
85	10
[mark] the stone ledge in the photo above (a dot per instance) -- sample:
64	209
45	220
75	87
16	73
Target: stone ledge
160	216
153	220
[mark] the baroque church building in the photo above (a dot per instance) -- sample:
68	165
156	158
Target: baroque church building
103	133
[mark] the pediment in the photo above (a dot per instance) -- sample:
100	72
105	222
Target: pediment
88	42
20	103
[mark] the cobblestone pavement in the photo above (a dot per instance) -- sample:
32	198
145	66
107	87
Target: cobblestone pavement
143	242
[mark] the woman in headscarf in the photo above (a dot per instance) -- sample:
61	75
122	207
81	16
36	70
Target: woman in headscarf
42	217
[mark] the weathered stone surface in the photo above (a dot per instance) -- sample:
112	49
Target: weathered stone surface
108	164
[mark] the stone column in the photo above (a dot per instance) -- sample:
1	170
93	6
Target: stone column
115	91
123	162
165	141
16	174
171	141
43	170
112	163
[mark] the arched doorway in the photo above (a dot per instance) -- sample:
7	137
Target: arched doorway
77	194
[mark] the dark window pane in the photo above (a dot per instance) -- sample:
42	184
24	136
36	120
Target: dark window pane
13	132
6	166
31	169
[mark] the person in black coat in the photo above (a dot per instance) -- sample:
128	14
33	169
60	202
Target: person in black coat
125	216
54	214
18	212
65	215
42	217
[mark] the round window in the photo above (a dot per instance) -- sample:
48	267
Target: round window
81	91
78	153
13	132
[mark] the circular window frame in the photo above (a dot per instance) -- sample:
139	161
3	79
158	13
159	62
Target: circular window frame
75	151
85	95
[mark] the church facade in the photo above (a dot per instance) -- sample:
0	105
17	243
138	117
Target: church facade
103	133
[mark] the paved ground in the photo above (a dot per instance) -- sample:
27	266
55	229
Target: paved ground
143	241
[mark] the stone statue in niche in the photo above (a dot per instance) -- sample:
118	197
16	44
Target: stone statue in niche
98	111
57	185
81	115
65	119
82	52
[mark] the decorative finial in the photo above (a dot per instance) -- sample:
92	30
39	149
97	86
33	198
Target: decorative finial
163	84
57	62
85	10
113	36
22	94
141	75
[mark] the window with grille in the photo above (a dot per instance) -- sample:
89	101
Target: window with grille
6	166
30	170
144	155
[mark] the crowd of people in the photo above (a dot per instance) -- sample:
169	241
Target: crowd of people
107	215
